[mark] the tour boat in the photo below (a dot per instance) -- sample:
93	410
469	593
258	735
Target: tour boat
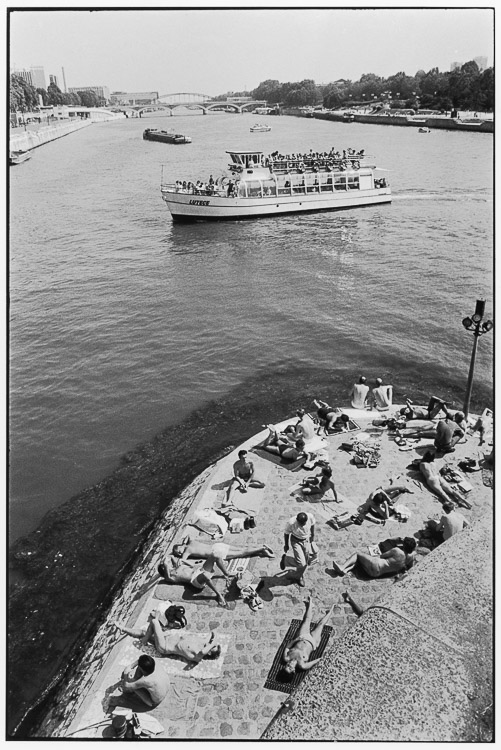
165	136
17	157
260	128
259	186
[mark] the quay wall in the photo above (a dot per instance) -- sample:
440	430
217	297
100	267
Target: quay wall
442	123
29	139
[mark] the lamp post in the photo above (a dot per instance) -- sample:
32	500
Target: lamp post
478	328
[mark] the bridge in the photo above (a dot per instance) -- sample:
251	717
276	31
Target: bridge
201	102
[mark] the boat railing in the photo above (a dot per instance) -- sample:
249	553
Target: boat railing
324	164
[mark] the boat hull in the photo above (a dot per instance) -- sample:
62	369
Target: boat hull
188	207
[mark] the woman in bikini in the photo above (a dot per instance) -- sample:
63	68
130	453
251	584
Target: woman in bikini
297	653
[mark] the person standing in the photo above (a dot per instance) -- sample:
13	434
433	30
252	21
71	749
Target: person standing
382	395
359	394
300	534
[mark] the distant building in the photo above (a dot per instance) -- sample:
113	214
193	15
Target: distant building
481	62
38	77
102	92
53	80
134	98
25	75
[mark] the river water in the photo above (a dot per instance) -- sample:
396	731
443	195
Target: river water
123	324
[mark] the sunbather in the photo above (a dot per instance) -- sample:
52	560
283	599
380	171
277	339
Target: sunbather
218	551
435	482
379	505
243	475
298	652
185	572
330	418
394	561
435	406
191	646
320	484
280	445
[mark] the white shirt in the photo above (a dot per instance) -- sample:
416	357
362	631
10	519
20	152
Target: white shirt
300	532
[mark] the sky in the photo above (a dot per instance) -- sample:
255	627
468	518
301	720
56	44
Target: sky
216	50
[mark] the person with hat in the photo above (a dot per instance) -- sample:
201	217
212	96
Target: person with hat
146	680
190	646
382	395
300	534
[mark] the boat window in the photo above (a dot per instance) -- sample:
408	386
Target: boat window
340	182
269	187
253	188
353	182
241	190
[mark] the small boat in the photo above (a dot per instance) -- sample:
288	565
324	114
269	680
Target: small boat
165	136
259	186
260	128
348	117
17	157
424	130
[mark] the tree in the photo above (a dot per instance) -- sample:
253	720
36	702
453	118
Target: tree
43	94
88	98
22	95
54	95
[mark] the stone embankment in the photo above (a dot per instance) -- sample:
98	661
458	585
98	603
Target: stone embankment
436	123
29	139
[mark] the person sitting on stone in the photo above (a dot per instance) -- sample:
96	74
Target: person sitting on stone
219	551
394	561
449	432
280	445
450	523
185	572
190	646
305	426
359	394
437	484
382	395
379	505
297	654
243	475
146	680
320	485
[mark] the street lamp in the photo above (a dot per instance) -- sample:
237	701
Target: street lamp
478	328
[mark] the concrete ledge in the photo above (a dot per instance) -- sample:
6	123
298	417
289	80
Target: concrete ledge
29	139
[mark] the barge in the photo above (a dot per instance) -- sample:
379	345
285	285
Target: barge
259	186
165	136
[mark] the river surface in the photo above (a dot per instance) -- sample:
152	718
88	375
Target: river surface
123	324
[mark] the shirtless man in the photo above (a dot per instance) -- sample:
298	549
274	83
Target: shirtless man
192	647
435	406
331	418
359	394
148	682
297	653
185	572
382	395
219	551
305	427
243	475
320	484
438	484
280	445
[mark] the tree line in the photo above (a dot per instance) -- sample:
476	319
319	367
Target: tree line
24	97
464	88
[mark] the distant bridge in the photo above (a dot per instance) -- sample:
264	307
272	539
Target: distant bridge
202	102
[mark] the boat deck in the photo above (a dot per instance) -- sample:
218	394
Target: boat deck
226	699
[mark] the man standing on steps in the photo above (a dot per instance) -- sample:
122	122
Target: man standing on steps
300	534
359	394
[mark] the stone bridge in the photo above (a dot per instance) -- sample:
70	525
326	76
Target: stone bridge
202	102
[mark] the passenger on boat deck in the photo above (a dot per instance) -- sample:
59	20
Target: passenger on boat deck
320	484
230	188
359	394
437	484
379	505
435	406
219	551
185	572
280	445
297	653
382	395
146	680
243	475
330	418
190	646
396	560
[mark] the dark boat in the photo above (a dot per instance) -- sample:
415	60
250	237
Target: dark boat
164	136
17	157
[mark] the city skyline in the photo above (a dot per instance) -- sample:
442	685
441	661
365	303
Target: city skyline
129	50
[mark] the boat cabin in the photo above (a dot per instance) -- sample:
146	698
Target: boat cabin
246	159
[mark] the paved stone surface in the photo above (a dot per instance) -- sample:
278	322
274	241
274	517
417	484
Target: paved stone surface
236	705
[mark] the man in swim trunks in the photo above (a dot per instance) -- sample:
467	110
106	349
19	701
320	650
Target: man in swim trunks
435	406
305	427
146	680
175	570
298	652
396	560
436	483
331	418
192	646
243	475
218	551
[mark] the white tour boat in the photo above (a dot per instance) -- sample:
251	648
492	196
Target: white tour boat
267	187
257	128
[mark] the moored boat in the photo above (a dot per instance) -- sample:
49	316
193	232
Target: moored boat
165	136
257	128
424	130
17	157
259	186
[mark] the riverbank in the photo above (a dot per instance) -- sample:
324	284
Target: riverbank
29	139
231	702
436	123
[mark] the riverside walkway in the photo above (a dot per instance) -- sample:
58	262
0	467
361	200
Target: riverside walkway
226	699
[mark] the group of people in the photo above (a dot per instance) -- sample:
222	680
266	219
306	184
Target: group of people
380	397
199	188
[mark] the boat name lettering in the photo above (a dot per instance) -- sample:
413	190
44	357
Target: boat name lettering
199	203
